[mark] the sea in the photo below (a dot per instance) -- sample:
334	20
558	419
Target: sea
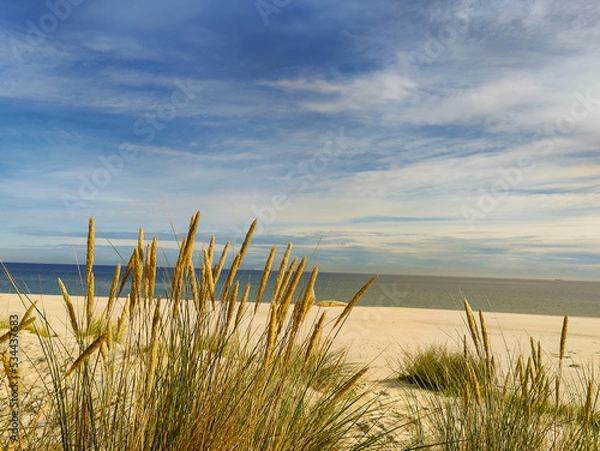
544	297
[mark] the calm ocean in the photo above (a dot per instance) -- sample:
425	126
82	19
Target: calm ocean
548	297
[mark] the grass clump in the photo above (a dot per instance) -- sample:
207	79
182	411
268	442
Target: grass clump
194	369
522	408
439	369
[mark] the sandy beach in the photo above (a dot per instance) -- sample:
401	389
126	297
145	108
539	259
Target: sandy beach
378	335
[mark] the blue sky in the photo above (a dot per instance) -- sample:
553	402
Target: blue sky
455	138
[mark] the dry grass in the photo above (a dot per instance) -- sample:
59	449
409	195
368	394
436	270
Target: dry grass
219	380
523	409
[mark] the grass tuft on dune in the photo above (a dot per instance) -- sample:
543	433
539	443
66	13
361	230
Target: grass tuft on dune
193	369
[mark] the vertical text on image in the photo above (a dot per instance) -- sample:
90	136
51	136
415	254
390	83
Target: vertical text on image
12	370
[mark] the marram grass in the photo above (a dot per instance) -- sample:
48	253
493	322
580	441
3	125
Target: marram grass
192	370
485	410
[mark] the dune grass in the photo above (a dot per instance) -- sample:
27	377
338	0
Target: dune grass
193	370
528	407
438	369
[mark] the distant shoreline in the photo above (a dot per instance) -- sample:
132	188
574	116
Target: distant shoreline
527	296
334	273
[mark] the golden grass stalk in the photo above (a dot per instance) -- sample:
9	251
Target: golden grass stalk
178	272
189	248
347	386
231	305
533	352
563	338
141	243
302	306
242	306
353	302
265	277
237	261
89	309
70	309
314	337
286	280
136	281
287	297
211	248
128	269
185	256
281	273
208	278
146	281
6	336
530	370
110	335
194	284
153	347
27	313
561	356
121	320
89	275
24	324
6	364
104	354
588	406
12	373
217	272
271	335
484	334
301	309
521	376
87	353
474	384
112	293
472	326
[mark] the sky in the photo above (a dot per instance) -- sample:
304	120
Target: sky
395	137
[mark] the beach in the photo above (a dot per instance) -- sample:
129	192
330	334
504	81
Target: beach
378	336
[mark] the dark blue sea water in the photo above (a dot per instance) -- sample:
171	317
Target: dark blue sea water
549	297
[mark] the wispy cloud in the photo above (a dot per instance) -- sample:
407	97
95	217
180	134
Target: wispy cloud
432	137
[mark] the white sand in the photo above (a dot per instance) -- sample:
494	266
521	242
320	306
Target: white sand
377	335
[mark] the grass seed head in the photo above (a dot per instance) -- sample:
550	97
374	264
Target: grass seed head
563	337
265	277
314	337
87	353
70	309
472	326
484	335
353	302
